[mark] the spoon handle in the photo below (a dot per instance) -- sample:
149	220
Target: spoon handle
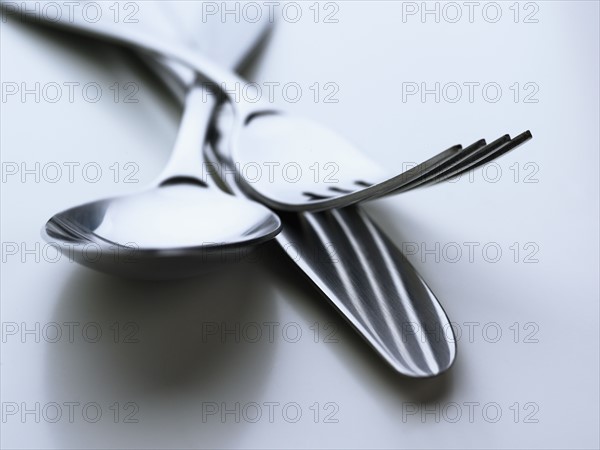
186	160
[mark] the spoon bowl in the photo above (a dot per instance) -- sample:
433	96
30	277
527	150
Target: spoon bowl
172	231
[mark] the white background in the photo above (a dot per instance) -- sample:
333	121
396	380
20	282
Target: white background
171	374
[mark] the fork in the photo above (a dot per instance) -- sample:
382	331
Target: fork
259	132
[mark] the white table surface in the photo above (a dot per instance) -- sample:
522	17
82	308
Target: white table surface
543	380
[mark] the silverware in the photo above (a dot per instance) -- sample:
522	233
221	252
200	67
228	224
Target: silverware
333	174
330	172
389	325
180	227
362	273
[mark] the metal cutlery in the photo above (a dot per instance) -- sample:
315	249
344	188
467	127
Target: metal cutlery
259	132
360	271
347	175
367	278
180	227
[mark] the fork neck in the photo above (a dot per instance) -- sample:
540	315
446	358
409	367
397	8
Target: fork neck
186	163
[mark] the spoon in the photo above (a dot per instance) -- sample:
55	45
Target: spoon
182	226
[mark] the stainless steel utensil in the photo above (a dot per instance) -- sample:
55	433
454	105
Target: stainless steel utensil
259	132
359	269
360	180
180	227
403	357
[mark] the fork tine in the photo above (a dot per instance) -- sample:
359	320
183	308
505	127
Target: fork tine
430	164
479	159
477	148
406	177
433	166
432	172
516	142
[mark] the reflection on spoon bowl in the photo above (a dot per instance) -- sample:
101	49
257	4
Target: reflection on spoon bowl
173	231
